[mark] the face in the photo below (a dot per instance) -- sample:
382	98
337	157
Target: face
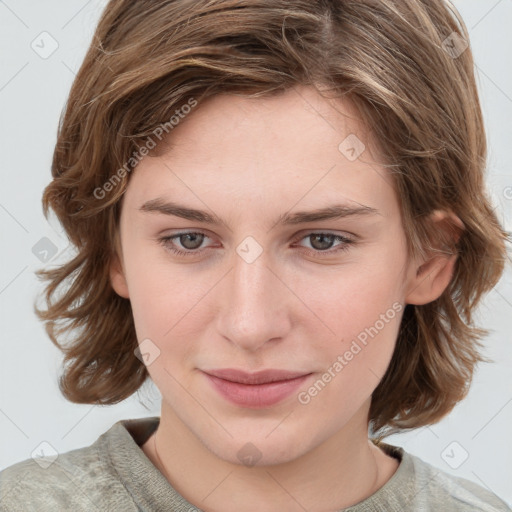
260	287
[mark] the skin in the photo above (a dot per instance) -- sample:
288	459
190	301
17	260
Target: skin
249	161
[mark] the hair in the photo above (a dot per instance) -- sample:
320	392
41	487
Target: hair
390	58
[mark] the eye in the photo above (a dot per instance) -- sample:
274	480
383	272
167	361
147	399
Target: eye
321	243
190	240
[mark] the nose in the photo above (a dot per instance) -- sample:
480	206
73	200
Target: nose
254	304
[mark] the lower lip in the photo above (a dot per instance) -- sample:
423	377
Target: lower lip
256	396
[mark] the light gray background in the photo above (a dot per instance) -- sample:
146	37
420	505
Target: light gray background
33	91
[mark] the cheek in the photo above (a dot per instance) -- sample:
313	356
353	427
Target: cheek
168	309
362	307
355	362
157	298
352	298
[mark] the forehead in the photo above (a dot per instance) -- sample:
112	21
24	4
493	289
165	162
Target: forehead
299	113
293	147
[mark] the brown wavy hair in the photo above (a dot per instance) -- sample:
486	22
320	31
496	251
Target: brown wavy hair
394	59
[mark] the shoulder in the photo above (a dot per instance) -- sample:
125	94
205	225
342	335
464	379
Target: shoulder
81	479
432	489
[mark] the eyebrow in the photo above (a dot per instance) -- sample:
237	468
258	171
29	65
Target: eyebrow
335	211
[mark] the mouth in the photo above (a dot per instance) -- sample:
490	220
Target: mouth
255	390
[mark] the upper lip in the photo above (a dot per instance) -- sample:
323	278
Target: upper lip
260	377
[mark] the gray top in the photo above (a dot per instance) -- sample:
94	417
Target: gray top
115	474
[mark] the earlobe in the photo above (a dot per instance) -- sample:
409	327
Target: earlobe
118	279
116	269
117	273
430	277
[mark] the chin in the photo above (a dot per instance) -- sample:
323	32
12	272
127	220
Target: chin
257	450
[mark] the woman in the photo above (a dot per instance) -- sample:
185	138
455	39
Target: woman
280	217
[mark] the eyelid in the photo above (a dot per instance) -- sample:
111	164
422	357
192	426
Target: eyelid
336	250
346	239
308	232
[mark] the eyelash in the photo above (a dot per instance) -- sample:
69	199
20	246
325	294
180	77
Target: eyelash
166	241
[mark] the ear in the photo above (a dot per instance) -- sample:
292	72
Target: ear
117	272
430	276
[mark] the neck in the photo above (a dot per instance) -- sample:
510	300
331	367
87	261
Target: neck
340	472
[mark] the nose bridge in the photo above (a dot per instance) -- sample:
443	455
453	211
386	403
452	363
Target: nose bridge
253	307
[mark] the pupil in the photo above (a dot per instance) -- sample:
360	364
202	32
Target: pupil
184	240
323	237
